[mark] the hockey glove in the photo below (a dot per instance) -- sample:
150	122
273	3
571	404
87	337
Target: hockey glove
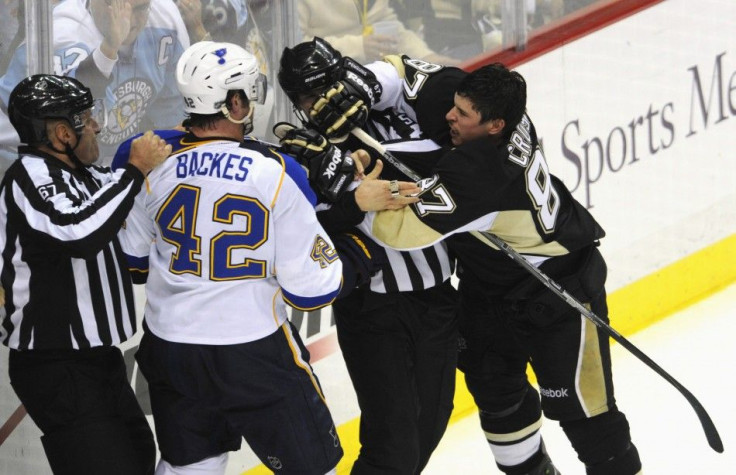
330	170
362	258
347	103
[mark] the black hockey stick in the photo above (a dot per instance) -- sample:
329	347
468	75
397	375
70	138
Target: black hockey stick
711	433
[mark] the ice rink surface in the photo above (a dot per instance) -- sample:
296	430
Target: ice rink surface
695	346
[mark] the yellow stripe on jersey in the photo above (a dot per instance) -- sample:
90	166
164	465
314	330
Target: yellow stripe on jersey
299	361
589	381
395	61
402	229
274	305
516	227
281	178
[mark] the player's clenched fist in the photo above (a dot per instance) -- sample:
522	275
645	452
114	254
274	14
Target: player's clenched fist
148	151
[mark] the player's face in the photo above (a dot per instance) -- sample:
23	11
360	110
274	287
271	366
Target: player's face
87	150
465	122
306	100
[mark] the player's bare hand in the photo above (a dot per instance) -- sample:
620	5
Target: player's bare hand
362	160
191	13
377	46
148	151
376	195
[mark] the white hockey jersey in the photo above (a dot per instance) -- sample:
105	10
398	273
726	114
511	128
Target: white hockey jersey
230	234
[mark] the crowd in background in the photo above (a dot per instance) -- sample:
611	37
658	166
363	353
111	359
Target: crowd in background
442	31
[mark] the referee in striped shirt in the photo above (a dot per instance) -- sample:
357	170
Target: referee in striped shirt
68	296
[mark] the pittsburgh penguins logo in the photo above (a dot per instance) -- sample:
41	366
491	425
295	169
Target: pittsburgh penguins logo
132	99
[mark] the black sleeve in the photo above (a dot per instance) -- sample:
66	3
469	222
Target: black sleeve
56	212
342	216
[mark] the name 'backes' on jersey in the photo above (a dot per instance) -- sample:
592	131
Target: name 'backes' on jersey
226	165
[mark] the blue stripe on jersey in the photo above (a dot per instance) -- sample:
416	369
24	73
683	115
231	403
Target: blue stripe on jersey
171	136
138	268
307	304
299	175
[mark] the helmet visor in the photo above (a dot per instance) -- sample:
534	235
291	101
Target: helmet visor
99	113
259	89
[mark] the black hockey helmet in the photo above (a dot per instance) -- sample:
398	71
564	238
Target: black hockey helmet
309	66
44	96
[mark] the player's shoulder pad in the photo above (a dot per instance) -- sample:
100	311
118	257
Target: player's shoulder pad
409	67
172	137
264	148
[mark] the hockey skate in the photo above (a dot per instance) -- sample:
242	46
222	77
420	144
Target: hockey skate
545	467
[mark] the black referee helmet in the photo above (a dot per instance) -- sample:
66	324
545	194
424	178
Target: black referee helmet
45	96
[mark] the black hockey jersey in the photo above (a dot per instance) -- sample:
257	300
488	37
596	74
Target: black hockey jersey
503	188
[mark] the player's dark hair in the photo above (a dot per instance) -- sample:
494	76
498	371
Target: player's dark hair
496	93
208	121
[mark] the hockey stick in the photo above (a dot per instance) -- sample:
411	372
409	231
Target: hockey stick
711	433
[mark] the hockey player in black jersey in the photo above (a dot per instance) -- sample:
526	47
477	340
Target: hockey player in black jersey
398	332
496	179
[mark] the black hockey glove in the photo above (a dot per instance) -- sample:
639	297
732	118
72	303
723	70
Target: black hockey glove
330	170
362	258
347	103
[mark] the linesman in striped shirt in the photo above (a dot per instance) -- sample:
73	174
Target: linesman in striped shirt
68	294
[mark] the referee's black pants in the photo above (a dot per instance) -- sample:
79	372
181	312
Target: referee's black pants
400	350
85	407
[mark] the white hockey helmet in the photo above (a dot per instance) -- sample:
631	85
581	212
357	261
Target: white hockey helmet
207	70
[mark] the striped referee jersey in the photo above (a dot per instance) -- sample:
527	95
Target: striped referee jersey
64	274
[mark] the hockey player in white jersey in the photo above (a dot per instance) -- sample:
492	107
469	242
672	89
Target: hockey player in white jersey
227	235
125	51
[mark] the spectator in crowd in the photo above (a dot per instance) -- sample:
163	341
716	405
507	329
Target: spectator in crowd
68	295
457	28
11	34
364	30
125	51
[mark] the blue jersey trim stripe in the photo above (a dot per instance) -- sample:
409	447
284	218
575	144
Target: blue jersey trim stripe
137	264
307	304
299	176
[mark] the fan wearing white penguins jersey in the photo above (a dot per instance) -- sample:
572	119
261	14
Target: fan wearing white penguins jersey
229	236
125	51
